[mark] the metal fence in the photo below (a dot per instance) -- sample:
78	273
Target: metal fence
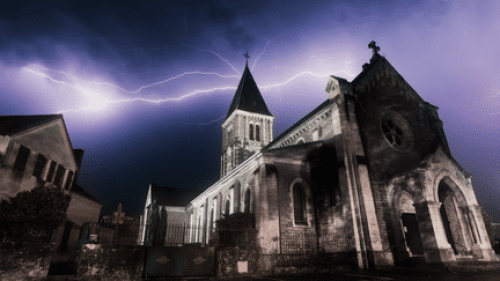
307	249
309	242
178	234
109	232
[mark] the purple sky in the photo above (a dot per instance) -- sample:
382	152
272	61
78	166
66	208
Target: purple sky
144	87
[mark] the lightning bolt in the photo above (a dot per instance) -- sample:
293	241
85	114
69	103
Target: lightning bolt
211	122
216	54
293	78
154	101
121	89
258	57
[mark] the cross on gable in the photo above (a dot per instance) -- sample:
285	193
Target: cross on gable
374	47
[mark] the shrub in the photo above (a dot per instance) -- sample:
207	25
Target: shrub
32	216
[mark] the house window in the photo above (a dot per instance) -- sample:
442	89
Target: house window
69	180
246	200
52	169
41	161
59	175
22	158
257	132
299	204
251	132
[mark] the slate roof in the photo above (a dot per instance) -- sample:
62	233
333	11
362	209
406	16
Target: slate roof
11	125
82	192
172	196
248	97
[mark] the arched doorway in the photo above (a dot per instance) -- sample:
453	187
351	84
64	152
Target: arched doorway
455	223
409	223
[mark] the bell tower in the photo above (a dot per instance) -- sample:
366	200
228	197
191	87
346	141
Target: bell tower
248	126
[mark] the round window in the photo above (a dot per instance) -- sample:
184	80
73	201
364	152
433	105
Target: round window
396	130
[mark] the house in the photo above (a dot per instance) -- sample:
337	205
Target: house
35	150
368	172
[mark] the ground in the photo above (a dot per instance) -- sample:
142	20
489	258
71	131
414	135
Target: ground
410	274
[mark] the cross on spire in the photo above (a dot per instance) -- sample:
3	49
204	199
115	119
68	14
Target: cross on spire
246	56
374	47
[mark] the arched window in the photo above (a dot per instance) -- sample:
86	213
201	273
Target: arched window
257	132
299	204
247	201
251	132
227	208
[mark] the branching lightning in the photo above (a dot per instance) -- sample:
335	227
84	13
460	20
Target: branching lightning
211	122
121	89
156	101
216	54
258	57
293	78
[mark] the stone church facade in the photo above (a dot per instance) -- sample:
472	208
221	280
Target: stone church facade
370	165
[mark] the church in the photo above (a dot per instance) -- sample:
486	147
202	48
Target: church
369	172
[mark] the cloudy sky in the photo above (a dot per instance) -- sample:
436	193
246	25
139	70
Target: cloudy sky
144	86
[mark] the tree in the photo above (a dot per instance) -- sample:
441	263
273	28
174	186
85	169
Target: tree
488	223
32	216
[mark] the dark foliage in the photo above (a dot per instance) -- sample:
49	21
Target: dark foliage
32	216
236	230
236	221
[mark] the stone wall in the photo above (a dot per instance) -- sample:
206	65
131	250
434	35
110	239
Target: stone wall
26	262
113	262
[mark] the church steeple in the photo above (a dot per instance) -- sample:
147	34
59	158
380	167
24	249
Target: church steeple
248	97
248	126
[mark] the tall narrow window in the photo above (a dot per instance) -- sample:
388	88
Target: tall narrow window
22	158
299	204
247	201
59	175
69	180
227	207
52	169
251	132
41	161
257	133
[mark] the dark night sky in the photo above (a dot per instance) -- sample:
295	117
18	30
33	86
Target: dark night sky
144	86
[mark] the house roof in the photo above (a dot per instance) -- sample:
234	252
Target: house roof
248	97
82	192
11	125
172	196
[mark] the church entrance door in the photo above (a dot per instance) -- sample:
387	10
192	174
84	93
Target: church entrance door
412	233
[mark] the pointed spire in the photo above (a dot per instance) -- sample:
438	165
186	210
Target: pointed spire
247	96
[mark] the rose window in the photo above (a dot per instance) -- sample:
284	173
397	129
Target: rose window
393	133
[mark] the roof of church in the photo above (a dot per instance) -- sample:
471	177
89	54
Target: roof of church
248	97
11	125
172	196
298	123
80	191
